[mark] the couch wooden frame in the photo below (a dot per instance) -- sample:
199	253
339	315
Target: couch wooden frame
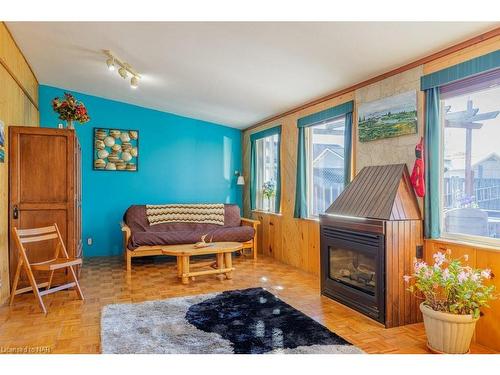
144	251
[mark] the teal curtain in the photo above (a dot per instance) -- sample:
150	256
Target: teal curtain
344	109
300	210
253	172
276	130
277	202
460	71
347	148
432	153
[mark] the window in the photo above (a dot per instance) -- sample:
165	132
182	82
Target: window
265	184
267	172
470	183
325	164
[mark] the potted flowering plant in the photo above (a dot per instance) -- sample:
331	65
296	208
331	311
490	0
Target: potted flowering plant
453	296
269	191
70	109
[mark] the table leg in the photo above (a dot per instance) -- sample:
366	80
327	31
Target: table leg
185	269
228	260
179	266
220	264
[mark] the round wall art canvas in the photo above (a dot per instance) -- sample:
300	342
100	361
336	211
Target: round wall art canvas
116	150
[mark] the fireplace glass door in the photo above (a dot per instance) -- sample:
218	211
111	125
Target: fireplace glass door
354	268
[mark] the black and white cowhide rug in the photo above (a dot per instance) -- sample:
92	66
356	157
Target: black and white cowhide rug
249	321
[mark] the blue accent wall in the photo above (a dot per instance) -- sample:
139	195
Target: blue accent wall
181	160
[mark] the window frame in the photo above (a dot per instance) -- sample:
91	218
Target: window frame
456	237
308	139
255	191
260	173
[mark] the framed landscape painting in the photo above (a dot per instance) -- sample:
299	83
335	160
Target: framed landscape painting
389	117
116	150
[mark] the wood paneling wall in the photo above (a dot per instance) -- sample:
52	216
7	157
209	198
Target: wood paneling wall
292	241
18	106
402	237
470	52
488	327
14	62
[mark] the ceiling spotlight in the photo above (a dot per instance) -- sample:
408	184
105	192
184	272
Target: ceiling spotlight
134	82
111	64
122	72
125	70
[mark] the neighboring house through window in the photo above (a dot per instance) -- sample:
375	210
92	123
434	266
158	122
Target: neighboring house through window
470	183
325	164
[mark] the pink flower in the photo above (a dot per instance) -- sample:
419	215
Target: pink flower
462	276
486	274
419	265
474	276
428	272
446	274
406	278
439	258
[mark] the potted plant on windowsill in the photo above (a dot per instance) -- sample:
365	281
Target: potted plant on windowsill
269	191
453	296
70	109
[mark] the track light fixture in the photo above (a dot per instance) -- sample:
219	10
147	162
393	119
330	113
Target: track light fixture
124	69
134	82
111	64
123	73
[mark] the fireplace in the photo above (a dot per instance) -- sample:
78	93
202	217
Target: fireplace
369	238
354	269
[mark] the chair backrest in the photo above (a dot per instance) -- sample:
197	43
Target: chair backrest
37	234
28	236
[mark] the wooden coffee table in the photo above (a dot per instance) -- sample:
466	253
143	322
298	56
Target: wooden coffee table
223	259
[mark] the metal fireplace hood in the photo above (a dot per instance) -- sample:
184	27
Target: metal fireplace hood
378	192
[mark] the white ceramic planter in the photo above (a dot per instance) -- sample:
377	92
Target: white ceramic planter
448	333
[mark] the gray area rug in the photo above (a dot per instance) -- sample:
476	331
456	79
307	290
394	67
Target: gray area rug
249	321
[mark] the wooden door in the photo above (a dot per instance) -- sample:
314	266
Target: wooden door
42	188
78	203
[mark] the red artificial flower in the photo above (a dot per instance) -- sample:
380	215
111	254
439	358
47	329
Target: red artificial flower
70	109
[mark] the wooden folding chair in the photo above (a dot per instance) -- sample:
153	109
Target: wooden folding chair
59	261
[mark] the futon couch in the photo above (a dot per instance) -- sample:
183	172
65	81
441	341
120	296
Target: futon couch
142	239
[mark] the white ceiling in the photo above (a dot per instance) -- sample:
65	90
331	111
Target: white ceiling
234	74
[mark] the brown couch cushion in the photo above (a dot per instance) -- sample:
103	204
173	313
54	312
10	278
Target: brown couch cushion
178	233
175	237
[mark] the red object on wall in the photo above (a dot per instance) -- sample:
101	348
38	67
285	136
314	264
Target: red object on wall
417	175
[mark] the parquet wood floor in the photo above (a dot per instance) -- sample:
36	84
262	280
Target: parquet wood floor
73	326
